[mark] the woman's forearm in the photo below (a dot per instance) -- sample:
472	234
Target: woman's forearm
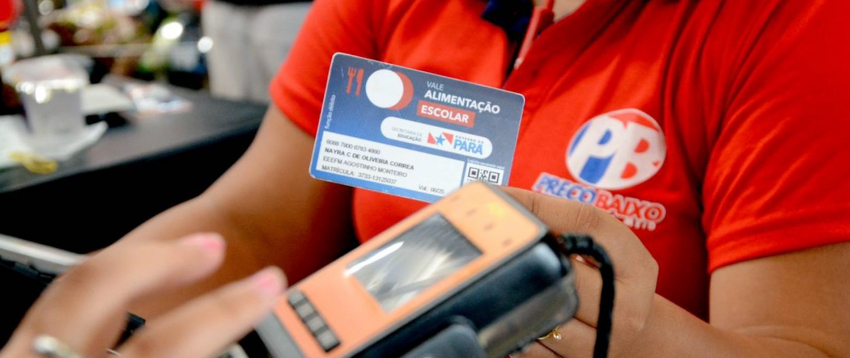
673	332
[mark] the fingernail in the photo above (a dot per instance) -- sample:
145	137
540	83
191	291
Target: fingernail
212	242
269	281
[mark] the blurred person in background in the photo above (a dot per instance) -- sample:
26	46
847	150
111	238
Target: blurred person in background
250	38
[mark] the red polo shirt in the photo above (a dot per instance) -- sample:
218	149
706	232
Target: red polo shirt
714	129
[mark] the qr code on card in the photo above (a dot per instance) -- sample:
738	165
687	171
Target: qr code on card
481	173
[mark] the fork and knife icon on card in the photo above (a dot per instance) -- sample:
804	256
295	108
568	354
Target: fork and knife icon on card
351	73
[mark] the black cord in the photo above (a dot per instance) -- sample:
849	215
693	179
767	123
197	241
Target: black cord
584	245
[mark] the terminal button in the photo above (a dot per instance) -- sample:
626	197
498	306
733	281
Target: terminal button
305	310
311	318
327	340
296	297
315	324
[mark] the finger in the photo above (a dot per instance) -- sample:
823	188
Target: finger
577	340
630	256
87	307
204	326
589	287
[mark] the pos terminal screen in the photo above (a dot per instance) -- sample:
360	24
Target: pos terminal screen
422	256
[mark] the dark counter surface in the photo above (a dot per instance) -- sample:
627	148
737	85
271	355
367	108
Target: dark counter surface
135	171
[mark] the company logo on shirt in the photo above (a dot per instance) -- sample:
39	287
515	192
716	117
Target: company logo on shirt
389	89
635	213
617	150
612	151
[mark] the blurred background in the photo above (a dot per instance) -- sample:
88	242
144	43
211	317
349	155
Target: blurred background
161	40
145	39
113	111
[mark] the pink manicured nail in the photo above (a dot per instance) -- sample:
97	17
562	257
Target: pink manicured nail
211	242
268	281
